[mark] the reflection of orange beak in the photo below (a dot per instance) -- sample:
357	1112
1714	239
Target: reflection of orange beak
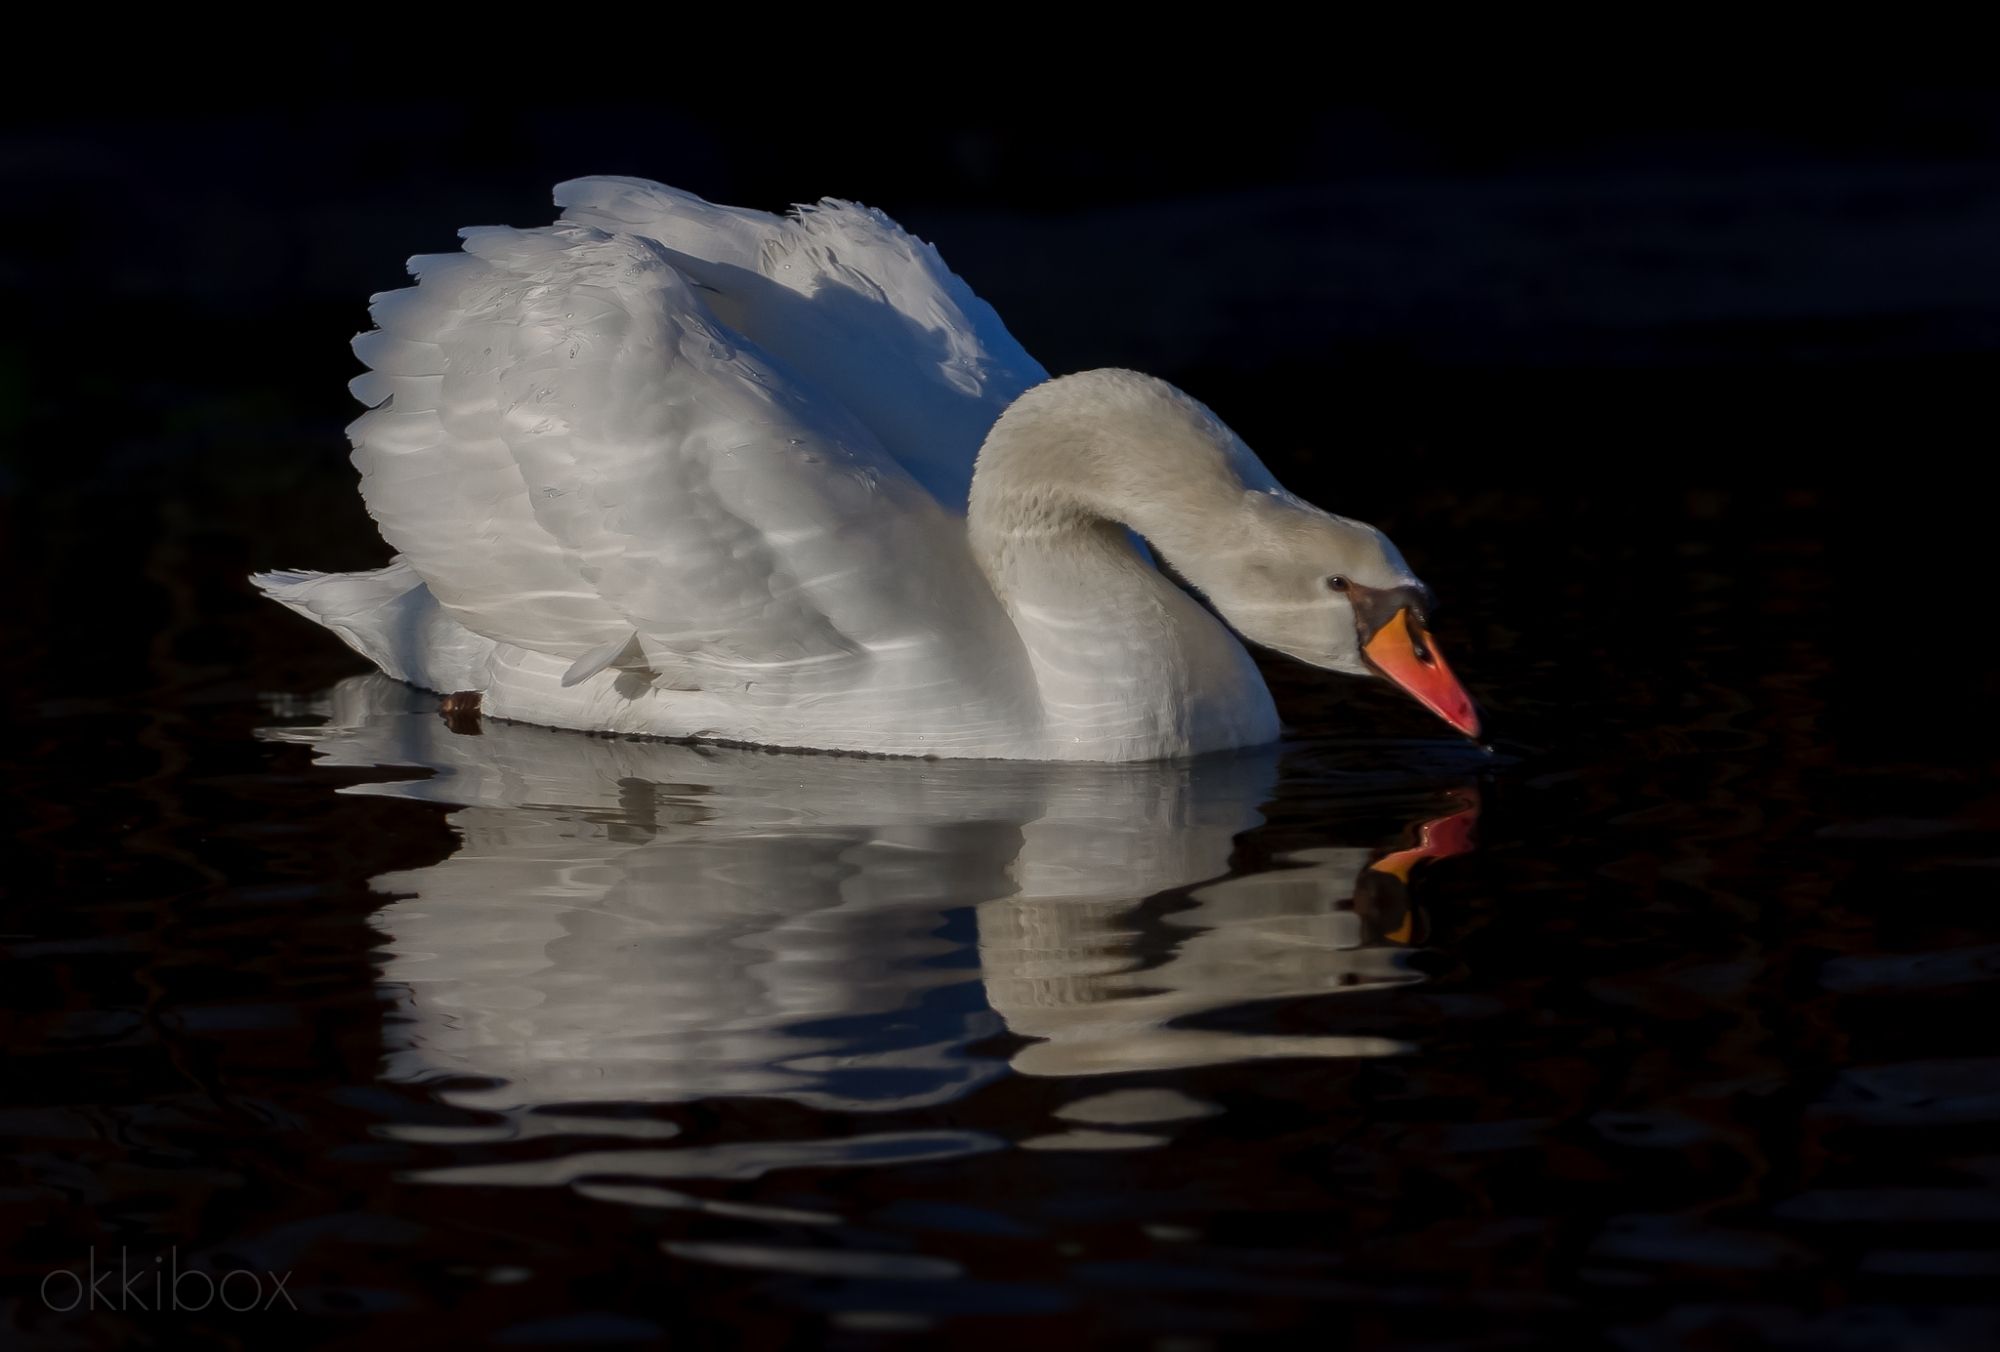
1438	838
1404	652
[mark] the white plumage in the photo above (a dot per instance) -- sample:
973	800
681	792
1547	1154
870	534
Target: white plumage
677	469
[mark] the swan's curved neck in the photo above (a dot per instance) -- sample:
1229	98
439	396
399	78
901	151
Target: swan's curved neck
1120	654
1110	448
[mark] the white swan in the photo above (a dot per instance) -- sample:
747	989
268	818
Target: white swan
685	470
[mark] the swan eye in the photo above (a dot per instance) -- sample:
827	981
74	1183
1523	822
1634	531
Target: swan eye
1336	583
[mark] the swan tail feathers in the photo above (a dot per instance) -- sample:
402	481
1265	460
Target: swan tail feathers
390	617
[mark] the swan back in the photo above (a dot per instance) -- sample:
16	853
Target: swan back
583	463
848	301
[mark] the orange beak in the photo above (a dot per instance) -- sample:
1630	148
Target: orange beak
1403	651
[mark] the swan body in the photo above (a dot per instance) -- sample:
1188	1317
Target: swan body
681	470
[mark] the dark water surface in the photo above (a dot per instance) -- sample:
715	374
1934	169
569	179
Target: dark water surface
1668	1022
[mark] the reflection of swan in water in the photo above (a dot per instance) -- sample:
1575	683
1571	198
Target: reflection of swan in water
633	920
1295	931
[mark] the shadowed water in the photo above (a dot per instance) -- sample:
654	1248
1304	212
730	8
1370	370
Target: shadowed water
1674	1022
1668	1022
646	922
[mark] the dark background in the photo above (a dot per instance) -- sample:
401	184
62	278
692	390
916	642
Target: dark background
1674	377
1434	293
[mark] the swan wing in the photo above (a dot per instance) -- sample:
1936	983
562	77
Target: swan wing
580	458
851	302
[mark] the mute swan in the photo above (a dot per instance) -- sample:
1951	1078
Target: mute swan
692	471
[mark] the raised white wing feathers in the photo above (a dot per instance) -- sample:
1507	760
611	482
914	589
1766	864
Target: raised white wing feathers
580	458
864	313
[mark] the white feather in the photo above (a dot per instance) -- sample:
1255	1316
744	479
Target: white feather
677	469
573	453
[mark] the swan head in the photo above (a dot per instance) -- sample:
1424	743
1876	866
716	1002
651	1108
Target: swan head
1115	446
1337	594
